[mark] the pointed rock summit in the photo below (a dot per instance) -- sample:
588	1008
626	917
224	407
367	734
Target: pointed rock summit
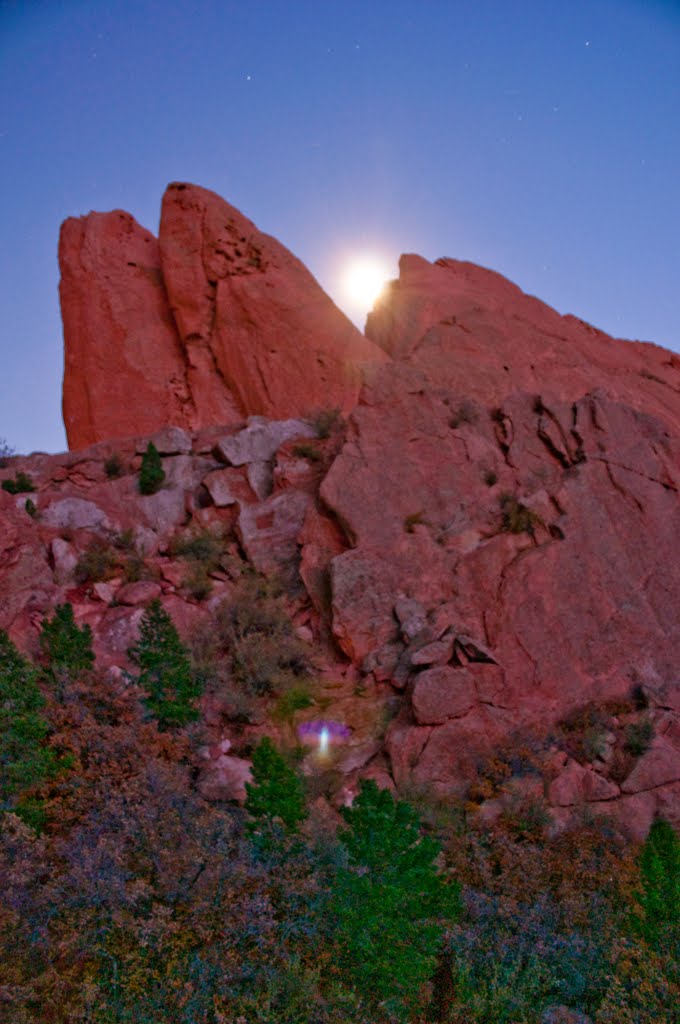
212	323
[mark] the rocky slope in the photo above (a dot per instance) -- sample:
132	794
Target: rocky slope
481	558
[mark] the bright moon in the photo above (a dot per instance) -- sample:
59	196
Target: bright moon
364	279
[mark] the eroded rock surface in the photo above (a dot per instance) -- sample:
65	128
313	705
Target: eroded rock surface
212	323
484	554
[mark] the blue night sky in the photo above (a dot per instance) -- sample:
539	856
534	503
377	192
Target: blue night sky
536	137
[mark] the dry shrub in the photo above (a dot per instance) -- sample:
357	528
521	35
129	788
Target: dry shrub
255	629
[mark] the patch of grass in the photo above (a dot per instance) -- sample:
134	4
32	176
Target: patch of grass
307	451
99	562
134	569
584	730
125	540
113	466
526	819
31	508
254	628
202	547
518	758
638	737
198	582
296	699
21	484
325	422
516	517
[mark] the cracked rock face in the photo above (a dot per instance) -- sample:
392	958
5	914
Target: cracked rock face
516	474
490	543
213	322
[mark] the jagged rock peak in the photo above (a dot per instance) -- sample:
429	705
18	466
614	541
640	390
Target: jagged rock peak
212	323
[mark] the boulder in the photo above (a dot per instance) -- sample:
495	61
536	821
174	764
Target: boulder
140	592
75	514
441	693
224	778
226	487
658	767
577	785
260	440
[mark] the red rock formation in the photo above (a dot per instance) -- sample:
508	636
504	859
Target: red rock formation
513	478
479	335
248	310
254	331
491	543
124	370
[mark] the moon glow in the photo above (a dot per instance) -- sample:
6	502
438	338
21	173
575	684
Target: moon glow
364	279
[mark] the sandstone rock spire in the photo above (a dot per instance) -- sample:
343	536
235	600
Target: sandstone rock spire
218	322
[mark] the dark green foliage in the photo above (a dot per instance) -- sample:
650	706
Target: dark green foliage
275	794
509	960
113	467
25	759
66	646
166	674
31	508
638	736
389	903
151	473
325	422
659	897
295	699
21	484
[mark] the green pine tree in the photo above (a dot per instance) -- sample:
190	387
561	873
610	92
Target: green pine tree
659	898
390	904
66	646
166	674
151	473
275	794
25	759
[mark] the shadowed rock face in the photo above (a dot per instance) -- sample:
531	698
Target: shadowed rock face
490	541
211	324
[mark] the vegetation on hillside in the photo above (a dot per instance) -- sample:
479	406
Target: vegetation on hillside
130	898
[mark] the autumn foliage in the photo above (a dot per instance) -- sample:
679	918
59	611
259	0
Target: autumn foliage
130	898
